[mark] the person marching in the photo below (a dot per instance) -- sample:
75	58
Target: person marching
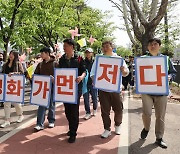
89	86
72	60
46	67
158	101
110	99
12	67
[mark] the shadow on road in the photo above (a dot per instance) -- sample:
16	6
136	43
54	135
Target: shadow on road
137	147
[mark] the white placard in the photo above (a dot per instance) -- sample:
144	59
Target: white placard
41	90
2	87
14	88
66	89
107	74
152	75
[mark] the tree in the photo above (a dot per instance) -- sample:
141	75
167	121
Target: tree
44	23
169	30
144	16
8	14
123	52
48	24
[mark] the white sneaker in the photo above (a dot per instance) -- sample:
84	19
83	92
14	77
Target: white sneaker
38	128
94	112
106	134
87	116
5	124
117	129
51	125
20	118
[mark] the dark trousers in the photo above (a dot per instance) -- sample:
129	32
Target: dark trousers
127	80
93	93
108	100
72	115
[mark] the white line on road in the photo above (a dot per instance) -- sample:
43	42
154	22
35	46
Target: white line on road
124	137
16	130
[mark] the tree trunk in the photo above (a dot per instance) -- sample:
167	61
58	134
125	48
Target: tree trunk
144	26
149	34
166	42
5	50
144	44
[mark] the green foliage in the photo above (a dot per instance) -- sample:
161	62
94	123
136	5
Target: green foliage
124	52
45	22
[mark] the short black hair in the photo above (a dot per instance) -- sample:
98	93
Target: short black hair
70	42
154	39
46	50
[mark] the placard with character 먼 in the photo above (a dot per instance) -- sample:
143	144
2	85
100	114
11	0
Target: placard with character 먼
66	88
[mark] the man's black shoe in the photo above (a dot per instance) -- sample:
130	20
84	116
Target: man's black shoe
144	133
68	133
72	139
161	143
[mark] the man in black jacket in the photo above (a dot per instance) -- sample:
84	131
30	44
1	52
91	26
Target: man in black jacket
71	60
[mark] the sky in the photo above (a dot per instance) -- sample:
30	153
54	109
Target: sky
121	36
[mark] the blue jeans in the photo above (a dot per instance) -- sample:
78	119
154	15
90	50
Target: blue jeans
93	93
42	112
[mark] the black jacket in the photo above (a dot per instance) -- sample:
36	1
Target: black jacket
74	62
89	64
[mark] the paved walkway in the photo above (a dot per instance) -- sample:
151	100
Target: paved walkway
54	141
20	138
172	130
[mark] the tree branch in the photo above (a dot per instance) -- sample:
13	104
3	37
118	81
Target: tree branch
134	20
39	40
20	4
153	10
62	10
160	14
140	14
1	24
116	5
15	11
126	22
